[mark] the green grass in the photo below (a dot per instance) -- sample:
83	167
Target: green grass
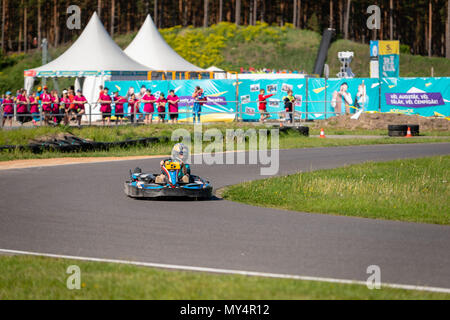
25	277
109	134
415	190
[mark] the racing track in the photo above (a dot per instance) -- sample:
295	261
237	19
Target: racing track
81	210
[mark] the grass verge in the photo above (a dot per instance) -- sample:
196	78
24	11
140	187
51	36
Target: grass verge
26	277
415	190
288	140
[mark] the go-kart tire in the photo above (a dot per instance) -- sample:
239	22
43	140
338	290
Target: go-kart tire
304	131
397	127
397	133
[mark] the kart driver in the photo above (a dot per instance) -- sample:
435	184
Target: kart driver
180	154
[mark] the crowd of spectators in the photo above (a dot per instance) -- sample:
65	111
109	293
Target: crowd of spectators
50	108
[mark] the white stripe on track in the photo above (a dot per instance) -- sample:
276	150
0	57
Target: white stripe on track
226	271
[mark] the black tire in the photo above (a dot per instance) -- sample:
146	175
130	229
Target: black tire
397	133
304	131
397	127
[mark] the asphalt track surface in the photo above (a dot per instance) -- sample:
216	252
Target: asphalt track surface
81	210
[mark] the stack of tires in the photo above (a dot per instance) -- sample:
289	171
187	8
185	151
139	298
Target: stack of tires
302	130
400	130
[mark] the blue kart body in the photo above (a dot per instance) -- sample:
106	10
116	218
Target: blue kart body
144	185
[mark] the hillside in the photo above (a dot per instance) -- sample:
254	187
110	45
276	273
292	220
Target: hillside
230	47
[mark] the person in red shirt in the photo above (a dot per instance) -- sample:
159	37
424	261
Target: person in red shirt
34	108
133	105
79	101
118	110
22	106
262	106
173	100
161	103
8	109
105	107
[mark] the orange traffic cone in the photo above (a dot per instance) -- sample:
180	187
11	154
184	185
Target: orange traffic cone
322	133
408	133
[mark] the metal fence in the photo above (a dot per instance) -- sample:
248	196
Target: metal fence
67	115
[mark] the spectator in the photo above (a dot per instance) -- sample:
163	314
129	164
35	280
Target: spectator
118	111
289	102
161	103
133	107
80	101
199	99
65	103
105	107
262	106
8	109
22	106
148	99
173	100
55	107
46	105
34	109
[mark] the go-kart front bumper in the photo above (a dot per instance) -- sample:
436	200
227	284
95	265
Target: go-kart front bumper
134	191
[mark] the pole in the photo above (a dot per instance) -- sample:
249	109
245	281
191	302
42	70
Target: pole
306	102
44	57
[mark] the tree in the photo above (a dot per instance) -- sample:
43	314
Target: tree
430	26
205	13
347	18
391	19
113	8
238	12
331	13
294	18
447	38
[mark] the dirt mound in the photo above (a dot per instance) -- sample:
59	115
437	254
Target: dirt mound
372	121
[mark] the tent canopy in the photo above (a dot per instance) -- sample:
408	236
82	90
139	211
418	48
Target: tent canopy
214	69
150	49
93	54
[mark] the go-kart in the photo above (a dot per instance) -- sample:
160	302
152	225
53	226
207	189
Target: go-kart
174	180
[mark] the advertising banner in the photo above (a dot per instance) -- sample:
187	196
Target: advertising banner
249	91
342	96
424	96
221	95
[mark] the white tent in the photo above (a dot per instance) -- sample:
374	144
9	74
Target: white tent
95	56
214	68
150	49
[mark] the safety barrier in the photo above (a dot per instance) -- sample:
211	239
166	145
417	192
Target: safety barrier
137	117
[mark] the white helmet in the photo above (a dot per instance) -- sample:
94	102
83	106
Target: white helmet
180	152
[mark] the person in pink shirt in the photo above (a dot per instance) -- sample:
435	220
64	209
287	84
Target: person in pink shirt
161	103
133	105
148	99
105	107
79	100
57	117
65	104
34	108
22	106
46	104
8	109
173	100
118	111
